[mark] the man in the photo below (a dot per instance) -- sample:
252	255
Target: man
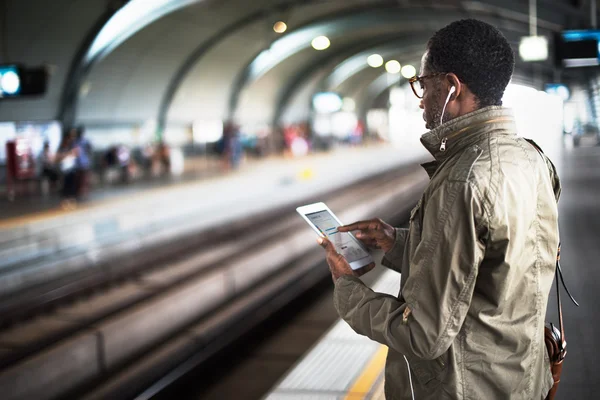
478	259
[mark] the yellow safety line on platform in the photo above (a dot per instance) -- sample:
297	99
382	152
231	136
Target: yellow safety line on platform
14	222
361	387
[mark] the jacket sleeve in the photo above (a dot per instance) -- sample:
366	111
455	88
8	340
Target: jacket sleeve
393	258
439	289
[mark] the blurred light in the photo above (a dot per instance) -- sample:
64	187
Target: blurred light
327	102
343	124
10	82
299	147
147	131
306	174
280	27
207	131
533	48
321	43
408	71
557	89
85	89
392	67
322	125
398	96
581	62
348	104
539	116
375	60
177	161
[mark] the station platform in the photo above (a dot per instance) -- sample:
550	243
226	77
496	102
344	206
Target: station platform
345	365
107	226
196	260
342	164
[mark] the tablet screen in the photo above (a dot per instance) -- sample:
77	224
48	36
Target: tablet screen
345	244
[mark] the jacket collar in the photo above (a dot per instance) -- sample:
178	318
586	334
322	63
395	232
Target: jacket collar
456	134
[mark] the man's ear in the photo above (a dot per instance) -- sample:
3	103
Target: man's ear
454	81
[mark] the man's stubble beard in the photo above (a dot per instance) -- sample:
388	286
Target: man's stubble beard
435	113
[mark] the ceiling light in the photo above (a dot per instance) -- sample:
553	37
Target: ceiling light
533	48
321	43
392	67
280	27
375	60
408	71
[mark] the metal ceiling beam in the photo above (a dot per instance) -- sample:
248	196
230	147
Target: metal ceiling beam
194	58
214	40
67	107
93	49
330	61
414	21
386	44
82	63
178	78
357	63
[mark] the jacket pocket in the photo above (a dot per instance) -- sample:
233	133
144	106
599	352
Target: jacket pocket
430	374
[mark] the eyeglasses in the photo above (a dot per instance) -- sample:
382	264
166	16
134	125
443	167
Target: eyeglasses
416	83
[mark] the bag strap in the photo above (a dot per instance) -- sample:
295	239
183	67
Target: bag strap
561	327
557	273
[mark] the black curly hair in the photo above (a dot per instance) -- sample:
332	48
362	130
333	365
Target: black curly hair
479	55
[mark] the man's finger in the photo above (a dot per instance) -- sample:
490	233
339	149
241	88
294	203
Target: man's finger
357	226
364	270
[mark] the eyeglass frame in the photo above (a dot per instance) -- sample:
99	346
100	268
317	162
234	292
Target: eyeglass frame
419	79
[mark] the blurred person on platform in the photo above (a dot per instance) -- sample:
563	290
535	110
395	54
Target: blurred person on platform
231	146
84	157
67	161
50	172
479	256
163	154
123	158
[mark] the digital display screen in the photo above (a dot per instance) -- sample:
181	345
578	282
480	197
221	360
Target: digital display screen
344	242
579	48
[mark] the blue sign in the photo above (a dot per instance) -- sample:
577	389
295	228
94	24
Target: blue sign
579	48
10	81
575	36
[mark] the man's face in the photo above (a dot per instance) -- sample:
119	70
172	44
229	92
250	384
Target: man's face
433	99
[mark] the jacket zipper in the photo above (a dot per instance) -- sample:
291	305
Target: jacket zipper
443	146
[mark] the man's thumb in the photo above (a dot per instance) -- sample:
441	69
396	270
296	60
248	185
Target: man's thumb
323	242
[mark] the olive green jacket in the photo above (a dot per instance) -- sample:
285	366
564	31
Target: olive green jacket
477	264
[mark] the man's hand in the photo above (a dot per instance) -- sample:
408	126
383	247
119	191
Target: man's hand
338	264
374	233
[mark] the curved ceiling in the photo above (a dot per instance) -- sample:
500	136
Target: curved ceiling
191	59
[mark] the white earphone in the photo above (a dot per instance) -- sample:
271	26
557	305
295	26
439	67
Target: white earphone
452	90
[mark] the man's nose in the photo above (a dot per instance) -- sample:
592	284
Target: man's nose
421	105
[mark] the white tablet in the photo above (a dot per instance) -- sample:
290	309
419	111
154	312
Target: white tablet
325	223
